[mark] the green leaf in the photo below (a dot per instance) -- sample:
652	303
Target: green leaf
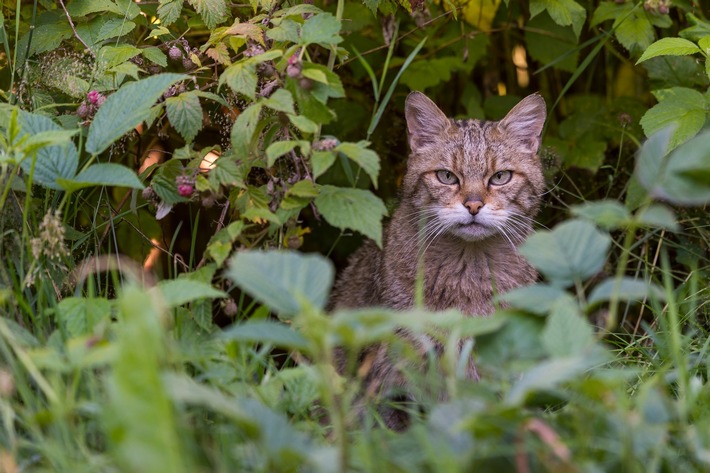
169	11
140	422
102	174
125	109
627	289
112	56
659	216
282	280
244	128
573	251
666	176
563	12
155	56
278	149
266	331
241	77
321	161
321	28
213	12
281	101
537	299
607	214
356	209
680	107
52	162
185	114
304	124
669	47
635	32
176	292
80	315
114	27
364	157
566	331
557	45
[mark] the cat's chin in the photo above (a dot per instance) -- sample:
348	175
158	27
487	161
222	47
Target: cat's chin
473	232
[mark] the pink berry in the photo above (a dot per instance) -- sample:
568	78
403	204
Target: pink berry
185	190
174	53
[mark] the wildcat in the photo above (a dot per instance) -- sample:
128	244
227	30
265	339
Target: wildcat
468	198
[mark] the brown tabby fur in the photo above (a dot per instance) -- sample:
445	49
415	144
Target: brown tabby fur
467	232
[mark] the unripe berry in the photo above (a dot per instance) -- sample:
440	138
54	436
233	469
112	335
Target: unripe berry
174	53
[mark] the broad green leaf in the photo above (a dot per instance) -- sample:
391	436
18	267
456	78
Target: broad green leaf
221	244
139	418
635	31
321	162
537	299
282	280
315	74
304	124
155	56
213	12
286	30
626	289
102	174
566	332
516	341
355	209
659	216
47	37
321	28
244	128
700	28
278	149
79	315
176	292
548	375
573	251
281	101
185	114
241	77
169	11
114	27
52	162
680	107
265	331
125	109
667	176
563	12
364	157
669	47
608	214
551	43
111	56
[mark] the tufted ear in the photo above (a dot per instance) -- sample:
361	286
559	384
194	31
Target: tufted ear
525	121
425	122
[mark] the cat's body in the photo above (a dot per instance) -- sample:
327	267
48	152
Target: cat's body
468	199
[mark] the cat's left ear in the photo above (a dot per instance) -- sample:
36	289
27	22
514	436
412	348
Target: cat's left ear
525	121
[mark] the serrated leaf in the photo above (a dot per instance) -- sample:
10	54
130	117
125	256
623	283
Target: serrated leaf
321	28
219	54
626	289
679	107
244	128
79	315
213	12
364	157
185	114
155	56
169	11
567	332
321	162
286	30
669	47
112	56
241	77
635	32
573	251
265	331
563	12
176	292
281	101
355	209
608	214
114	27
102	174
125	109
304	124
278	149
281	280
52	162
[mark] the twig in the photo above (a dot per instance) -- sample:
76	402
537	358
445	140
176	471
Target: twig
71	23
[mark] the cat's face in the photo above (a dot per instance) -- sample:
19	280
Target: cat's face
473	179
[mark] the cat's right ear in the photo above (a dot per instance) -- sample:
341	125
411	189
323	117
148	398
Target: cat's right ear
425	122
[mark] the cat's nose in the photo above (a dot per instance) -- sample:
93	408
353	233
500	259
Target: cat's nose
473	206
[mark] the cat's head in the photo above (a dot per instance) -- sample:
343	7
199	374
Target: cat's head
475	179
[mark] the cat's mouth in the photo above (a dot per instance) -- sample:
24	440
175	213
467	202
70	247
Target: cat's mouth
473	230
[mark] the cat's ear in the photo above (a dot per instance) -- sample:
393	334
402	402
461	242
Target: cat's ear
425	122
525	121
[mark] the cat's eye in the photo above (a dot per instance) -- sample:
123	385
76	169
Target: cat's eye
447	177
500	178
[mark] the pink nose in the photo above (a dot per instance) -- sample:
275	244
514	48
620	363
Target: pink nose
473	206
